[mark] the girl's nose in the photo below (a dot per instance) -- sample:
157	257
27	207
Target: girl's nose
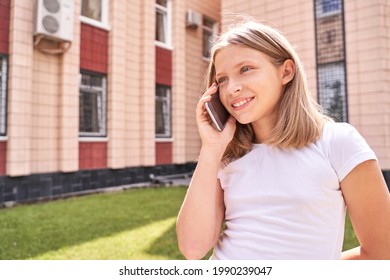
234	87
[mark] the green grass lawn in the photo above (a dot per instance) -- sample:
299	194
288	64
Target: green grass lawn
133	224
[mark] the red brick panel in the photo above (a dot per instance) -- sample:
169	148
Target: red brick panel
3	157
92	155
163	152
93	49
4	45
163	66
4	25
163	77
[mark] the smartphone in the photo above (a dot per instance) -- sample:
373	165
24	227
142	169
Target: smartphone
218	113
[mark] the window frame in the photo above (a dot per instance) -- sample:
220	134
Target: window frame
103	24
212	30
167	11
167	119
3	94
102	119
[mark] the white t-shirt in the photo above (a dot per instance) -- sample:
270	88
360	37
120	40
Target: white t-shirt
287	203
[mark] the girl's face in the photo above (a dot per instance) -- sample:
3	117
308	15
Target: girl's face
250	85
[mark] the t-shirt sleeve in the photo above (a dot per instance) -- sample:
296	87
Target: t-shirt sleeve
347	149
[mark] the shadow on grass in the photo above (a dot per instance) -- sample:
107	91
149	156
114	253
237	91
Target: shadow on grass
163	246
31	230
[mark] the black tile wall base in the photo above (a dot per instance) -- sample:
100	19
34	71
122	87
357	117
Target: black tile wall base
51	185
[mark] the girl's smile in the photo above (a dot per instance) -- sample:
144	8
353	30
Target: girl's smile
241	103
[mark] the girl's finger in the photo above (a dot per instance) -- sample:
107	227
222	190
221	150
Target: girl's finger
206	96
211	90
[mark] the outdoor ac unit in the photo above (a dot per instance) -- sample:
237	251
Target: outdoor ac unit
54	19
193	19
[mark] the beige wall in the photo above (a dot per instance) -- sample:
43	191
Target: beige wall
20	90
367	28
116	103
68	103
42	101
179	74
195	71
132	88
148	86
131	84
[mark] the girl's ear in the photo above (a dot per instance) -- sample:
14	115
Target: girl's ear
288	71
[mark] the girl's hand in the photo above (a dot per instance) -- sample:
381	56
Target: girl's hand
210	137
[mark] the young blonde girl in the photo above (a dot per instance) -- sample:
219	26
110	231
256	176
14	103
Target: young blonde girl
280	175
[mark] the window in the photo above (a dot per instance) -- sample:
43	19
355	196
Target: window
328	7
3	94
92	120
208	32
163	111
331	90
95	12
163	23
330	55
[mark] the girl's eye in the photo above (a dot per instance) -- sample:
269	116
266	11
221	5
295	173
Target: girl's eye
221	80
245	69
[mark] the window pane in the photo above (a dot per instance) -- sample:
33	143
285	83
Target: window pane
163	111
160	126
330	5
3	92
89	116
332	96
327	7
207	44
161	26
92	9
208	22
92	81
92	105
208	32
162	2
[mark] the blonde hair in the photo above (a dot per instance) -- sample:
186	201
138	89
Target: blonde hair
300	118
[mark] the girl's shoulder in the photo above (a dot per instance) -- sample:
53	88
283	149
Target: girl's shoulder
339	131
344	146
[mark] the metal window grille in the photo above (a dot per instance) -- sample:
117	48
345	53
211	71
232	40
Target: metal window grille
3	95
163	111
92	117
330	50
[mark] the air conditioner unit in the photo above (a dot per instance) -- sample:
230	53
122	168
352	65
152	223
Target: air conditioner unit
54	19
193	19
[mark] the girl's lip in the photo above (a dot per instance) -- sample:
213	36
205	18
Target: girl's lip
241	102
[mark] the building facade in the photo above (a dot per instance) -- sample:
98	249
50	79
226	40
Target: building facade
107	97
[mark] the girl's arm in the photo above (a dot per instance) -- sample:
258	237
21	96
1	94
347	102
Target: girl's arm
368	203
202	213
201	216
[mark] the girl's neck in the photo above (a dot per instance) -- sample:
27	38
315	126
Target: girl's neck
263	130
